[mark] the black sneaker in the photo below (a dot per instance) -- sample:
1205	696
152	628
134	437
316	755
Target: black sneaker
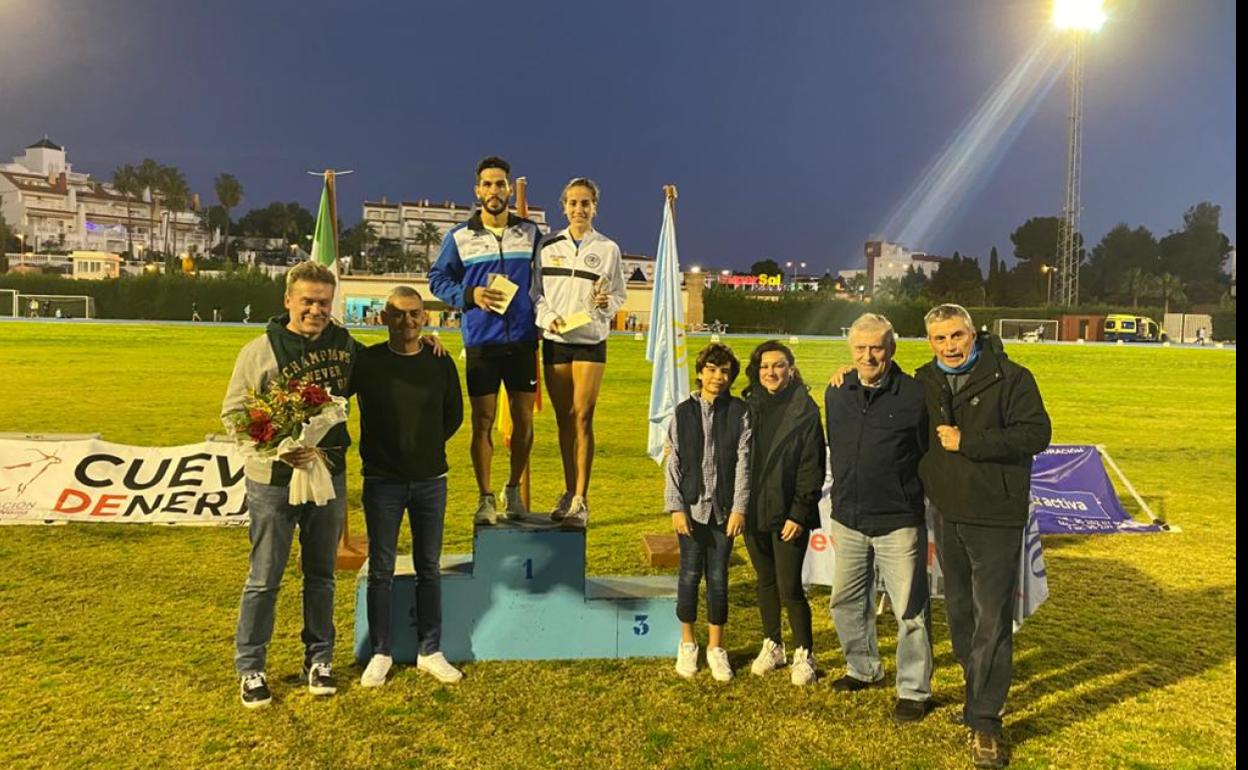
987	750
908	710
848	683
321	679
254	691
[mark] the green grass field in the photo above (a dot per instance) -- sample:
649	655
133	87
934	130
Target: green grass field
116	641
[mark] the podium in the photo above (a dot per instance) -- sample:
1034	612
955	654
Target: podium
522	595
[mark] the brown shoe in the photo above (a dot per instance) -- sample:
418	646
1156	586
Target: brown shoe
987	750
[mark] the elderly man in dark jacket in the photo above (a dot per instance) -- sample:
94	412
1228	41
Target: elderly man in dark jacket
987	423
877	432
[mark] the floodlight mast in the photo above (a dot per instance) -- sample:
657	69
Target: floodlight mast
1067	294
1080	18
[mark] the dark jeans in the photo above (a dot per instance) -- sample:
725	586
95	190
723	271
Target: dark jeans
980	566
272	531
384	504
779	568
706	549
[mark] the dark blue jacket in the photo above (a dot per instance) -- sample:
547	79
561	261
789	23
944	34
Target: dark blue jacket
877	437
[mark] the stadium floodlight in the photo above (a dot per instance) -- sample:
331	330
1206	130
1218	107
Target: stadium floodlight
1079	19
1080	15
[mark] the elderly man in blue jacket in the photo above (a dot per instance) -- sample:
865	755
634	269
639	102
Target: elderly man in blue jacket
877	433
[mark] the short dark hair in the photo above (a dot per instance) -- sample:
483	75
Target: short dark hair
720	355
493	161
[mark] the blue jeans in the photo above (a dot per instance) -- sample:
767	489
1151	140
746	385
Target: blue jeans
384	504
901	557
272	530
706	549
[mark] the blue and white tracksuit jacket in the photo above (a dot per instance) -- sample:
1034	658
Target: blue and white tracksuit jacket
566	274
469	254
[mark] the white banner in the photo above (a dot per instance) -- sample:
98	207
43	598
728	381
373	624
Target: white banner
1033	585
91	480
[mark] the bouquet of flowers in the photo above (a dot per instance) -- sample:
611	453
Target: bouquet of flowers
290	414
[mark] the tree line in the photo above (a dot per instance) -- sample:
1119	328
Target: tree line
1129	266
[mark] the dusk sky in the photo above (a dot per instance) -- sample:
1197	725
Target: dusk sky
792	129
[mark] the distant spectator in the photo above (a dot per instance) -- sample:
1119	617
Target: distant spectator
1200	336
34	308
216	313
247	313
195	312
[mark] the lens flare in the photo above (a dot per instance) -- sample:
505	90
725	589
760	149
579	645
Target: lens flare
1081	15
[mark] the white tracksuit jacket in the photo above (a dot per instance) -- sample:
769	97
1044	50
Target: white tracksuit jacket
563	283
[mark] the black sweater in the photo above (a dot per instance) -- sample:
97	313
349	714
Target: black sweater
409	407
787	464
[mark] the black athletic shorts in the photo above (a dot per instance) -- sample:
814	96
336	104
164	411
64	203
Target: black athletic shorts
565	352
514	363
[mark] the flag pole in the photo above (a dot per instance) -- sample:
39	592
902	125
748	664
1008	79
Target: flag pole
522	209
352	551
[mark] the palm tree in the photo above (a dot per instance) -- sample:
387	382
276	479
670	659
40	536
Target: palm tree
147	177
428	235
1135	283
1170	288
229	194
126	180
177	195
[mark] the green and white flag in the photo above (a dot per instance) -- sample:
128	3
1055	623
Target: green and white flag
325	238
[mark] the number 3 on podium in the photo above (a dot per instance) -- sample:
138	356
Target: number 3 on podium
640	627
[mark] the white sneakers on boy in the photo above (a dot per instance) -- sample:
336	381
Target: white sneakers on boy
769	658
717	661
375	673
687	659
803	670
437	665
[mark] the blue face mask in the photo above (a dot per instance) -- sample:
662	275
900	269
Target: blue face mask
964	368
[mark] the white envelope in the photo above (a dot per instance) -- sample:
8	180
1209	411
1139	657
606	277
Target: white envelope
575	321
500	282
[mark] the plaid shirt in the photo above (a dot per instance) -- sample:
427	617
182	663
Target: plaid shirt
704	509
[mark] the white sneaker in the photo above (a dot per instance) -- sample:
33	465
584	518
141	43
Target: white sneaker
375	673
561	508
717	661
803	670
514	509
486	513
687	659
577	516
769	658
437	665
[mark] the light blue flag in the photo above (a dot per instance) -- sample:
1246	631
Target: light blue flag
665	344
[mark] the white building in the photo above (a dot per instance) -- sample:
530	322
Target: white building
402	221
892	260
52	207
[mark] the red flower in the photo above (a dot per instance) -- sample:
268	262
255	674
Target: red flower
261	431
314	395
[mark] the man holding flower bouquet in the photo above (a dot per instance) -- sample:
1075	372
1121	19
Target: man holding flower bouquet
301	366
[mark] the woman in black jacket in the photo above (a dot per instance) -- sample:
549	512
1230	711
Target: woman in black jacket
786	481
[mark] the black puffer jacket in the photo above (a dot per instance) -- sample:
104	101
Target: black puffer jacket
1004	425
787	482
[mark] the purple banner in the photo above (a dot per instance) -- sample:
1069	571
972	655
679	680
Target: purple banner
1072	495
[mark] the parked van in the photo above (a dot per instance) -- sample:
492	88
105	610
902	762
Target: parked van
1132	328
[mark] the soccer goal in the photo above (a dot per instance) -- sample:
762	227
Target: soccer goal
56	305
1026	329
8	303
